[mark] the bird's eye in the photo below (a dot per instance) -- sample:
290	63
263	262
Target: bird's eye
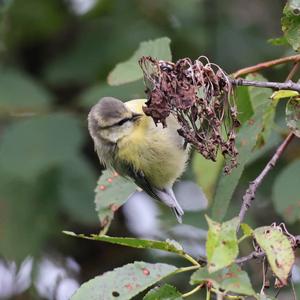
120	123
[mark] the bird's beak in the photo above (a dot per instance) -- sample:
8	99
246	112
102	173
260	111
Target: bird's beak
136	116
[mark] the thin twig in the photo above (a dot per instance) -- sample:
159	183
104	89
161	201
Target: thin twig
289	85
250	193
293	71
193	291
266	64
250	256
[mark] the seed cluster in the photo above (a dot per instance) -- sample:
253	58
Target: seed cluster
199	94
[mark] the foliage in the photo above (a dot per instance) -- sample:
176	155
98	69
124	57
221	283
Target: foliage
56	63
220	272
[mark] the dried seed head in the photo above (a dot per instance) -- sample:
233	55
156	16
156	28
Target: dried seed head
199	95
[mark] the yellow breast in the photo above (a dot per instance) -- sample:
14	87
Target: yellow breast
158	152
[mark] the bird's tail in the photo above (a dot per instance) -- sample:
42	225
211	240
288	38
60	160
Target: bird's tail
167	196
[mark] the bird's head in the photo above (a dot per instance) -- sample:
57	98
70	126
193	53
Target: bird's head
110	120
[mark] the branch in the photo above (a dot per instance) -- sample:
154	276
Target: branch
251	191
289	85
252	255
266	64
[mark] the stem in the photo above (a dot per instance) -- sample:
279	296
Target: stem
193	291
293	71
289	85
207	293
190	259
252	255
266	64
186	269
251	191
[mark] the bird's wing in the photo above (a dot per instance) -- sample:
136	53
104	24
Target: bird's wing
127	170
166	195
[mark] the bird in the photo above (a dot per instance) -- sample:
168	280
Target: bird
129	142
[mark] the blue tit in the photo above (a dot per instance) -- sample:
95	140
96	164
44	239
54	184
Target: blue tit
129	142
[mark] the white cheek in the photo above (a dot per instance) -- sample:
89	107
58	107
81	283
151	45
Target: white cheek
114	134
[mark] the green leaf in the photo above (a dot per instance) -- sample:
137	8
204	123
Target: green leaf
245	142
282	94
112	191
290	23
285	193
130	70
292	113
20	94
221	244
28	215
125	92
165	292
168	245
261	99
32	146
264	297
280	41
123	283
231	279
76	186
247	230
243	103
278	250
207	172
34	22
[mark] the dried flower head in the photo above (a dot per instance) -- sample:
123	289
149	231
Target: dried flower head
199	95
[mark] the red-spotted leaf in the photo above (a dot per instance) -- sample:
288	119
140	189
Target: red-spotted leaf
232	279
123	283
112	191
221	244
278	250
292	113
290	23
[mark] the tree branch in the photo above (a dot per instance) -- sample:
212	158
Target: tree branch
289	85
266	64
251	191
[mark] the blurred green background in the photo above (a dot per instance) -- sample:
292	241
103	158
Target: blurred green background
55	57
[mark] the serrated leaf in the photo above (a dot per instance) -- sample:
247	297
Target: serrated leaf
292	113
252	133
285	193
165	292
221	244
123	283
21	94
278	250
32	146
129	70
282	94
168	245
290	23
247	230
112	191
232	279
